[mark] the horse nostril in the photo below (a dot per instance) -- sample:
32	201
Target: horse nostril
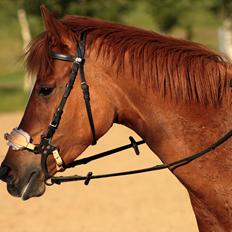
5	173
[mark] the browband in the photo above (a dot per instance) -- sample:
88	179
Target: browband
64	57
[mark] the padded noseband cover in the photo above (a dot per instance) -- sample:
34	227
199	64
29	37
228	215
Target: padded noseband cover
19	140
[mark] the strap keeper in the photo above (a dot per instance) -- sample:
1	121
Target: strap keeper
88	178
30	146
134	145
53	124
58	159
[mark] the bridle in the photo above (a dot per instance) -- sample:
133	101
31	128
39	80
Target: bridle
19	139
45	147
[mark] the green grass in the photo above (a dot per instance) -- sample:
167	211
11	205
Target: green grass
12	95
12	99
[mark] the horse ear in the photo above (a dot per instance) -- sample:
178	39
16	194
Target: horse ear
51	23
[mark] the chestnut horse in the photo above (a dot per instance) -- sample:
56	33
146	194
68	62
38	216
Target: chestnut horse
174	93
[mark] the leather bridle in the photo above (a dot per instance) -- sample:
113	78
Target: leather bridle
19	139
45	148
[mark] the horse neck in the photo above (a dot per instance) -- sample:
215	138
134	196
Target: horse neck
167	127
174	131
161	121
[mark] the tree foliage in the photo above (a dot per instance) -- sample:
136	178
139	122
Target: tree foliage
110	10
170	13
220	7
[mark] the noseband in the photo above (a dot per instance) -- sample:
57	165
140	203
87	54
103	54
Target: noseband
19	139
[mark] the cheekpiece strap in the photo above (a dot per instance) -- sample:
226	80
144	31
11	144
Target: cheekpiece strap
78	64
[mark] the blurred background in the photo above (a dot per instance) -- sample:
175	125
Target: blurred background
141	203
205	21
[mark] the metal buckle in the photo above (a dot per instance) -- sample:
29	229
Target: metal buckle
78	60
53	125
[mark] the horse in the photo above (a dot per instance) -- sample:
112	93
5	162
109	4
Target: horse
173	93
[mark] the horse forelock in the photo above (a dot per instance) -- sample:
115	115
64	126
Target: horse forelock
179	70
38	63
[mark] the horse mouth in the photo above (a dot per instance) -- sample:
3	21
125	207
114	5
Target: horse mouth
34	187
26	189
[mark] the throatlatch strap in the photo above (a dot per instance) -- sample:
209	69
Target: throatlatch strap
85	90
85	87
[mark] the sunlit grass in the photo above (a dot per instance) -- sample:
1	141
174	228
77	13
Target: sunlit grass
12	99
12	95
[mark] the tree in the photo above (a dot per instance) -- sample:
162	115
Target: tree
111	9
223	10
26	36
170	13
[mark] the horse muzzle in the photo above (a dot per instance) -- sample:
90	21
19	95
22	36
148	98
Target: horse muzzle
4	170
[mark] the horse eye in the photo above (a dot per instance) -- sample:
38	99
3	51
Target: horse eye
45	91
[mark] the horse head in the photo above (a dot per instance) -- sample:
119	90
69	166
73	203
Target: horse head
21	167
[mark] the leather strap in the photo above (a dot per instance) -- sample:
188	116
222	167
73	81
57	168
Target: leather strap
59	56
78	64
45	148
172	166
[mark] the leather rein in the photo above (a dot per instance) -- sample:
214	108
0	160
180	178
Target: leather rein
19	139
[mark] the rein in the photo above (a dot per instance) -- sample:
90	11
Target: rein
19	139
134	144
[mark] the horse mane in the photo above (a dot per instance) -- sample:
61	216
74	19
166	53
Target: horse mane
179	70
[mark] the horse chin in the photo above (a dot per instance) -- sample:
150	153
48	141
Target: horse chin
33	187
